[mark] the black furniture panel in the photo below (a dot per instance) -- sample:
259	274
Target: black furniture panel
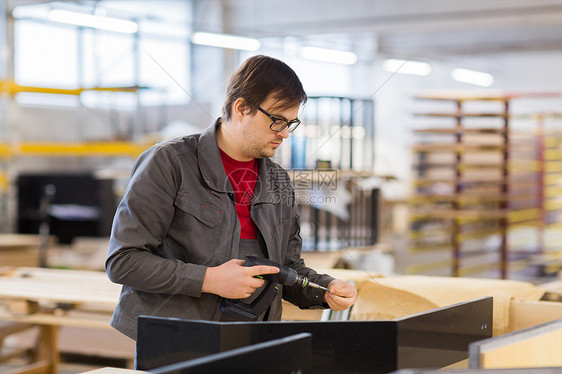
435	338
292	354
551	370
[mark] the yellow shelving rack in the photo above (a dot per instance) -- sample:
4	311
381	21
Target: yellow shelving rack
476	192
12	150
550	138
11	88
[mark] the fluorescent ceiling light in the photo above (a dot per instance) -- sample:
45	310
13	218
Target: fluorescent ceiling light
31	11
472	77
225	41
406	67
97	22
328	55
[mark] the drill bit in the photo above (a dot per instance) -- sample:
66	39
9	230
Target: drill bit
304	282
314	285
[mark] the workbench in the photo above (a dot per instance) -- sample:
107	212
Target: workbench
55	301
58	300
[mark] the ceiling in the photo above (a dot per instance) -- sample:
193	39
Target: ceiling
396	27
400	27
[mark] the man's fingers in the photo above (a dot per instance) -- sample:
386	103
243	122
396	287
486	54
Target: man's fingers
336	298
338	302
262	269
342	292
342	288
257	283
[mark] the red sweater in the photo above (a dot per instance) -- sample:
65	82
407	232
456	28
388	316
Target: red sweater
242	176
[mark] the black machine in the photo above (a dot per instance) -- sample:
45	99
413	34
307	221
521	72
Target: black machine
251	308
432	339
65	205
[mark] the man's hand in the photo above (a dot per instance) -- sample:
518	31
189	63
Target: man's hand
234	281
342	295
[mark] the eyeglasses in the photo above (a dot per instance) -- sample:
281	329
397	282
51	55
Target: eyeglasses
279	124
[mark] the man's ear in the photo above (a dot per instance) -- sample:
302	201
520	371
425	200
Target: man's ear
240	108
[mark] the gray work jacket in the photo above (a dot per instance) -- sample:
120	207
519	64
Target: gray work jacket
178	217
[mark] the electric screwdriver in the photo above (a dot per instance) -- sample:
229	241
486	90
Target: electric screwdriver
250	309
286	276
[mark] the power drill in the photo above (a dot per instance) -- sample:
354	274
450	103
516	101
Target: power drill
250	309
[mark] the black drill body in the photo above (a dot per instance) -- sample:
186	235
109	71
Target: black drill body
250	309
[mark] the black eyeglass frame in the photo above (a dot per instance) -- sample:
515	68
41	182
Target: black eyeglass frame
295	122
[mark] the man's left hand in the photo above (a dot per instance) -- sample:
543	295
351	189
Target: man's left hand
342	295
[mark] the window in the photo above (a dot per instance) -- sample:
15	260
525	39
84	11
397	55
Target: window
49	54
45	55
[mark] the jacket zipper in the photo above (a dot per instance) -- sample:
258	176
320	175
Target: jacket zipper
231	198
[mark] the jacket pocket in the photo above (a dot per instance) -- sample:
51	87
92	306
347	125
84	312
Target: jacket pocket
204	212
194	234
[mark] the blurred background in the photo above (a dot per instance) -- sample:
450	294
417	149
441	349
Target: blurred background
424	118
432	128
431	142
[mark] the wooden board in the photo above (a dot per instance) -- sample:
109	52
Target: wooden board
18	241
461	214
468	184
553	290
467	198
325	259
395	297
19	256
20	249
293	313
109	370
81	288
487	95
460	130
99	342
452	147
462	96
89	320
538	346
527	313
514	167
463	114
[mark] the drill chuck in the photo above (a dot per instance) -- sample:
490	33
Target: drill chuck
286	276
291	278
302	281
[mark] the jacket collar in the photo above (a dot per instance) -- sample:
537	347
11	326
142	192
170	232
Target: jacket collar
266	183
212	169
210	162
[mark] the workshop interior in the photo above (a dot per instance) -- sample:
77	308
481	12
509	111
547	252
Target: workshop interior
427	172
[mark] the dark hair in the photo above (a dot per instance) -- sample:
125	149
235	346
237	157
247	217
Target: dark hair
257	78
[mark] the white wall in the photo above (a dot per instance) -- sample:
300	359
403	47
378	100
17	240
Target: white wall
514	72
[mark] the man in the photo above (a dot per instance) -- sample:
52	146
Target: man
196	206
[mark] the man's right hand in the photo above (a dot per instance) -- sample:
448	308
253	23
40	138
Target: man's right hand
234	281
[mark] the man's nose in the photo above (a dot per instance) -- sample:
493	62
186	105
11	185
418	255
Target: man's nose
284	133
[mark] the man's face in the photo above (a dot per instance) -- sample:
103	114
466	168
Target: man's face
259	140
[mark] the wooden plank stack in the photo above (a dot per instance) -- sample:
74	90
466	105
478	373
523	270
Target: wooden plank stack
478	194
